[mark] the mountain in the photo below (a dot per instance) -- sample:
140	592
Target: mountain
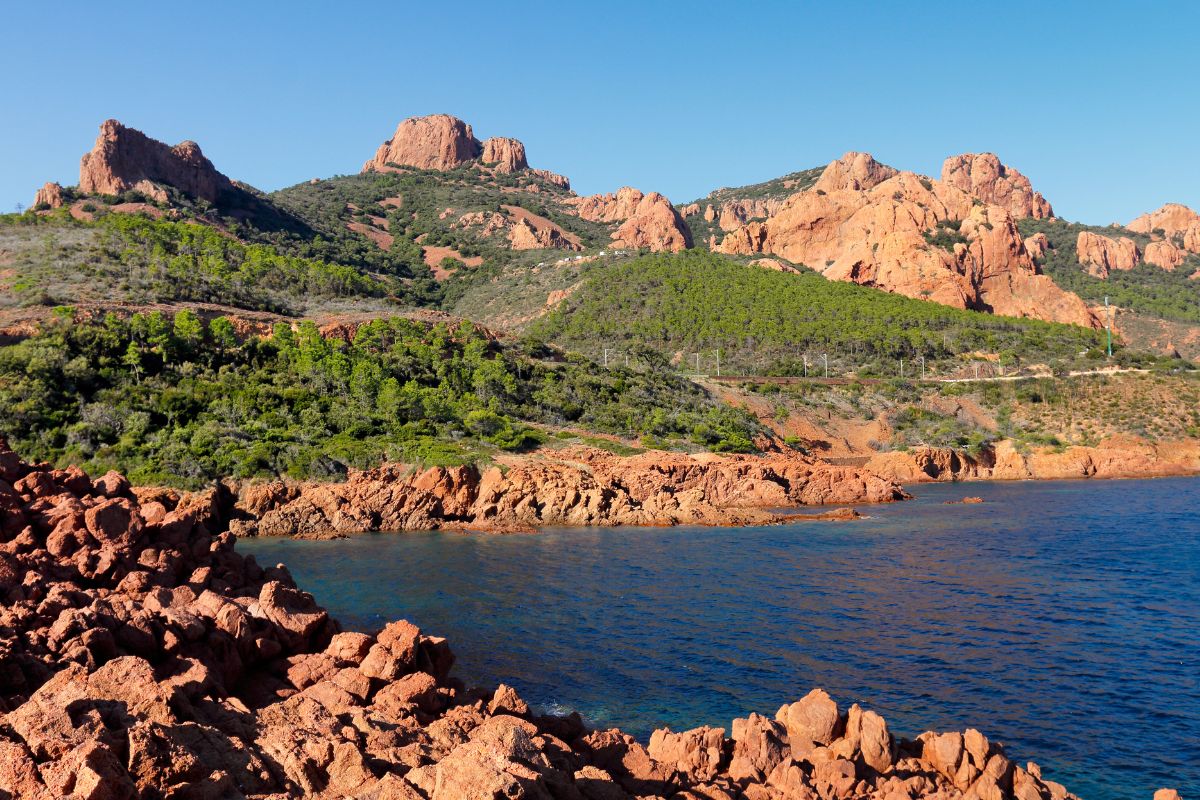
864	222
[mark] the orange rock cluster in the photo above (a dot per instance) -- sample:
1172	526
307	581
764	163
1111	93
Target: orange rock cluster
124	159
581	487
867	223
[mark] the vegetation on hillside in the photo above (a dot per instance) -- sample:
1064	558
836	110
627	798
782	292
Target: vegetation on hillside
765	322
181	402
133	258
1146	289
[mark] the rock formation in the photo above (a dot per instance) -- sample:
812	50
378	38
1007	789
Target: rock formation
438	141
736	213
1165	255
983	176
854	172
611	207
1118	457
866	223
145	658
50	195
1102	254
443	142
647	220
1037	245
508	155
1175	221
124	159
578	487
654	225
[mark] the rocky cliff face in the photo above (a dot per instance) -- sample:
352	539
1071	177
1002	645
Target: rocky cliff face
508	155
647	220
983	176
1102	254
866	223
124	159
1164	255
438	141
144	657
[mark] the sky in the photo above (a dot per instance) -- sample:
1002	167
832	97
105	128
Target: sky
1098	103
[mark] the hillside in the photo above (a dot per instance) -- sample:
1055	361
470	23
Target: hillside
181	401
765	322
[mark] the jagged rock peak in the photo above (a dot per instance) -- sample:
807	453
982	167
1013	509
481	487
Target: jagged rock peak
858	171
983	176
124	158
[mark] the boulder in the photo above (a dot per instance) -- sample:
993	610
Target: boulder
1102	254
811	722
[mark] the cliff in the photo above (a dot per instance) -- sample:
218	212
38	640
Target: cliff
124	159
867	223
145	658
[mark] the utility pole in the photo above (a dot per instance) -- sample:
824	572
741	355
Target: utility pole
922	367
825	358
902	368
1109	309
697	363
606	358
718	362
805	357
976	370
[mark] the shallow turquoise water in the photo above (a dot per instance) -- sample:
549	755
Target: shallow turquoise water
1060	618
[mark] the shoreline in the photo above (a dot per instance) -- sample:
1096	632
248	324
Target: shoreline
150	658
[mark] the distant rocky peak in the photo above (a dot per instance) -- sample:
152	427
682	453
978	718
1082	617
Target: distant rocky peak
124	158
858	171
983	176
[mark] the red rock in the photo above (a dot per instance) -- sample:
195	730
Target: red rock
698	754
507	701
983	176
49	195
758	748
114	521
124	159
394	653
439	141
1104	254
508	155
812	721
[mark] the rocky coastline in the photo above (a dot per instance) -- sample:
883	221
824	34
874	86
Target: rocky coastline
579	486
1116	457
143	657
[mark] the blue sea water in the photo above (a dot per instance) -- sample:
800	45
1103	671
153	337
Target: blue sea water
1060	618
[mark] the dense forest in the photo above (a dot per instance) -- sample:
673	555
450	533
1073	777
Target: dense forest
767	322
182	401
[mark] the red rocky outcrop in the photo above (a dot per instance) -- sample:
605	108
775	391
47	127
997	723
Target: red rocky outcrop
580	487
438	141
49	195
983	176
124	159
1102	254
648	221
508	155
867	223
143	657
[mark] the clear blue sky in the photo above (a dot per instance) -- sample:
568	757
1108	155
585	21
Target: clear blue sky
1099	103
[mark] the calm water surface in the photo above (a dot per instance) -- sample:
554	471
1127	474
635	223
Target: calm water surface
1059	618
